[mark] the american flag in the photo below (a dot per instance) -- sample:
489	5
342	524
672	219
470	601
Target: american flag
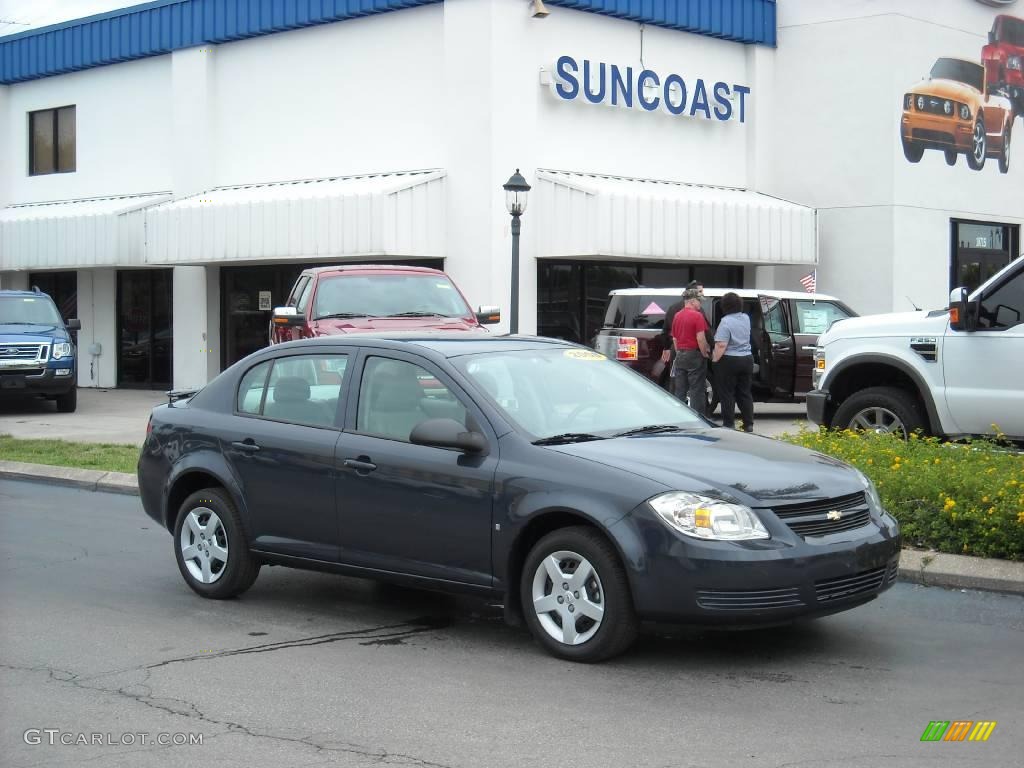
810	282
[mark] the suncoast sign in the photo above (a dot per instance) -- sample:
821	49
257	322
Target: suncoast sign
645	89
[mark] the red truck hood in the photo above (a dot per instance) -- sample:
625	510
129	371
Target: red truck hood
338	326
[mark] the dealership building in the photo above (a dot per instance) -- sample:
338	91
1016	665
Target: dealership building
167	169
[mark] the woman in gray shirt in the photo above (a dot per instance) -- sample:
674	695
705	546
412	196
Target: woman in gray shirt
734	363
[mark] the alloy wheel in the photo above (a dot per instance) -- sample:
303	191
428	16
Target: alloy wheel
878	419
978	142
204	545
568	597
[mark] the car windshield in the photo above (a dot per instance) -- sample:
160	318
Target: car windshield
409	295
29	310
1011	31
962	71
548	392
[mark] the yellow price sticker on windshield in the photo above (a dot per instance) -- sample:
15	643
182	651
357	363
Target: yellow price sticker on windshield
583	354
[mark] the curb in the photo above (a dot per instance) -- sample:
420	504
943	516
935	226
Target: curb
930	569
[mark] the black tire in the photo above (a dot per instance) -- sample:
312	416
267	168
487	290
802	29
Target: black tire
896	401
979	147
68	402
619	626
913	151
241	568
1004	156
951	155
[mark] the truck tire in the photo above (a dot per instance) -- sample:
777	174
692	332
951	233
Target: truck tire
881	409
68	402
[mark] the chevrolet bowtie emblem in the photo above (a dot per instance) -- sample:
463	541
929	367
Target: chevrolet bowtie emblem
835	514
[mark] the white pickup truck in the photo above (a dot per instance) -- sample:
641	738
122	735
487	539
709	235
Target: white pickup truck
953	372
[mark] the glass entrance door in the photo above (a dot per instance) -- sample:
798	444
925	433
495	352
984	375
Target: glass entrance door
145	329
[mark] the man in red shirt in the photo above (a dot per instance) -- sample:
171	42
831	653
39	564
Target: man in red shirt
689	369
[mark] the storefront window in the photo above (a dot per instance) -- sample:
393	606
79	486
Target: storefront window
980	249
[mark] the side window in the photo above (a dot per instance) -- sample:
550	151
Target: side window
1004	307
395	396
816	317
293	298
775	318
303	302
303	389
250	391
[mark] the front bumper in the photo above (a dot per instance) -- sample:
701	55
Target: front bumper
937	131
760	582
817	401
20	381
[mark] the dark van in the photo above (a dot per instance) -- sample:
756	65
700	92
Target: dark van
785	326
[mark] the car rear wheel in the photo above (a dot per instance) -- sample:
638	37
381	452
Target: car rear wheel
880	409
912	151
976	154
1004	156
211	548
68	402
951	156
576	597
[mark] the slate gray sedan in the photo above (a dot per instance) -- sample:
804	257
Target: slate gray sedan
529	470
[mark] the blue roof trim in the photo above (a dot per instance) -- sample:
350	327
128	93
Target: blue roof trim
163	26
744	21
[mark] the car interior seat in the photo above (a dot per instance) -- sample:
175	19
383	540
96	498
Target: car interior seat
394	404
291	403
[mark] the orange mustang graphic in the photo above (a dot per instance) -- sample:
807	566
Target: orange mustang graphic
954	110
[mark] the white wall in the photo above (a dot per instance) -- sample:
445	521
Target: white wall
97	309
355	97
123	131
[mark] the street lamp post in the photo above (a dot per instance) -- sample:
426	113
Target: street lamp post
516	190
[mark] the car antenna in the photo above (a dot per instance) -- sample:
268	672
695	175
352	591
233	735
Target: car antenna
916	308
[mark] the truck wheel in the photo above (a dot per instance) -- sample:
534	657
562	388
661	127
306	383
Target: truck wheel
880	409
68	402
979	147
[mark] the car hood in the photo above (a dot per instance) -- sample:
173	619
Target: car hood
337	325
16	332
752	470
892	324
948	89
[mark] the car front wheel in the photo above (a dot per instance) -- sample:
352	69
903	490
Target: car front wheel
211	548
576	596
951	156
68	402
976	154
912	151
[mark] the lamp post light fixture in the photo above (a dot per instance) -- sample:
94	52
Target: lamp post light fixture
516	192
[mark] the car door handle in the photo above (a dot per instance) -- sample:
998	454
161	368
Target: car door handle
246	446
359	465
808	348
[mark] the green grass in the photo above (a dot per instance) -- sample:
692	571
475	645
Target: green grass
102	456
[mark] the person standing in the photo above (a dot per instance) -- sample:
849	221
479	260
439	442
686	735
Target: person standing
667	353
734	363
689	369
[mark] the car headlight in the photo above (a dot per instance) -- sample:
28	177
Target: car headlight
63	349
1015	62
965	112
947	107
819	366
703	517
908	100
871	490
920	102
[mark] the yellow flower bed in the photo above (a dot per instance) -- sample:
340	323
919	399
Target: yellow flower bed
964	498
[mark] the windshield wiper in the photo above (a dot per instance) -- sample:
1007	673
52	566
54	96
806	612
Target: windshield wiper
342	315
650	429
416	314
568	437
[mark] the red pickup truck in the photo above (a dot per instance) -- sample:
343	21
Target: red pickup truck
1003	58
328	301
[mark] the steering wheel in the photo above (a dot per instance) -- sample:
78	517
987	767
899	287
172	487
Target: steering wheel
575	413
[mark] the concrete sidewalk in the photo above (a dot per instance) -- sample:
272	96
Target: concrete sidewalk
932	569
103	416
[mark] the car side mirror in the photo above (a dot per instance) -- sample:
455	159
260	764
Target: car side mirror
74	324
488	315
448	433
960	316
991	38
287	316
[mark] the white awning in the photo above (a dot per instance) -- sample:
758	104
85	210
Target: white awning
583	215
95	232
392	214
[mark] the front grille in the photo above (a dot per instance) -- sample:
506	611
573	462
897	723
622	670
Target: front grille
24	351
939	137
933	106
894	569
827	516
844	587
748	599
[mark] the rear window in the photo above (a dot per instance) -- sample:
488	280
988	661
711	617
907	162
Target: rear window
638	311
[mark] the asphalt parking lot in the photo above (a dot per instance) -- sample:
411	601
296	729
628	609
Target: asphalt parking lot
119	416
100	635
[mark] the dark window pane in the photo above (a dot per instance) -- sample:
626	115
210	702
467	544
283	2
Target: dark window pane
558	301
1003	307
66	139
599	280
42	141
